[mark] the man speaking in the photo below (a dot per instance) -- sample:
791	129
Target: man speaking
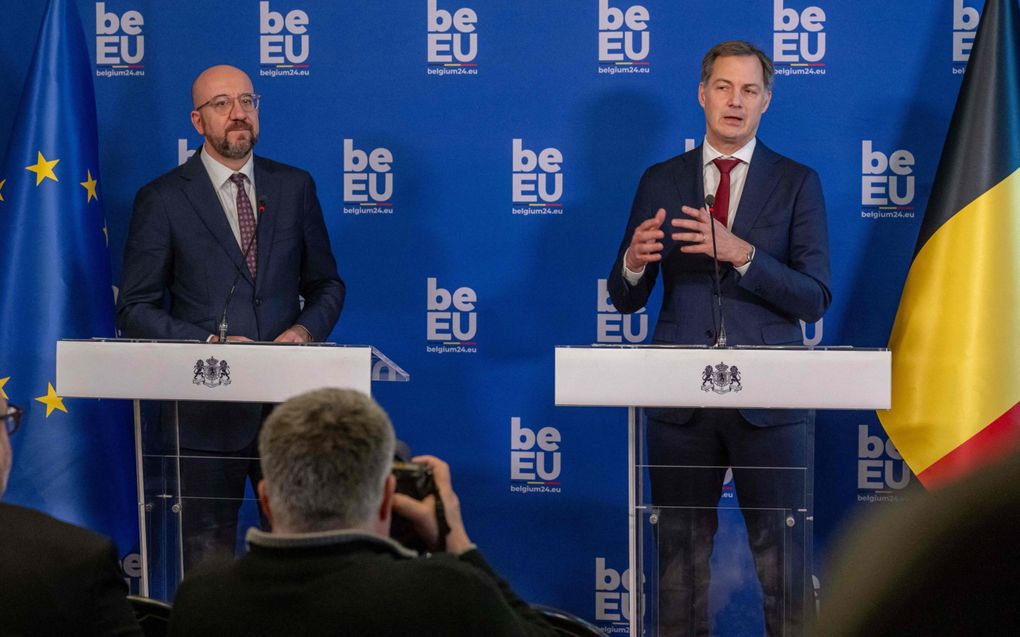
771	248
226	246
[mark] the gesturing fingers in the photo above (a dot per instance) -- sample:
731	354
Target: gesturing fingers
646	244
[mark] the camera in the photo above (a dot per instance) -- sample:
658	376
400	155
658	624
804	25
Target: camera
415	480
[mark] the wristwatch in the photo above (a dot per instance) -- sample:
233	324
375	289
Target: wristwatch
750	257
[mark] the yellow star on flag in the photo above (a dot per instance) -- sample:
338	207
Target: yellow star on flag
90	186
51	400
3	381
2	182
43	169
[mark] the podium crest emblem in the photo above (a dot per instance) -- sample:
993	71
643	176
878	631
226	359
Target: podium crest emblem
721	379
211	372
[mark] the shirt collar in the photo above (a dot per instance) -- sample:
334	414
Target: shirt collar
256	537
708	153
220	174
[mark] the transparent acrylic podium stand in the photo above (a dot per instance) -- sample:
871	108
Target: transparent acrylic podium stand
694	526
194	382
670	552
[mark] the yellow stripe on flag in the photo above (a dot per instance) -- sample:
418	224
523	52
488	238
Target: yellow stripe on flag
956	339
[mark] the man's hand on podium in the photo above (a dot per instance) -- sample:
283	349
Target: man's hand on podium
230	339
294	334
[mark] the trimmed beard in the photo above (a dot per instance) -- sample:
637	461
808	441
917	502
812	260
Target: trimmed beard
237	150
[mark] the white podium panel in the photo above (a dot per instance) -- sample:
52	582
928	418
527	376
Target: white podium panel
183	371
637	376
787	378
232	372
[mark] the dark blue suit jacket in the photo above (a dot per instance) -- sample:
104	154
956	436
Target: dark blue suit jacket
781	213
181	258
59	579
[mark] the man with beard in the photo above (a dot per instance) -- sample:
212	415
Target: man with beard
226	217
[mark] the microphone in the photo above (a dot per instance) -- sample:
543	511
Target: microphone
222	326
720	333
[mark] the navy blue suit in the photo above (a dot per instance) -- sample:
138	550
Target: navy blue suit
179	262
781	213
181	258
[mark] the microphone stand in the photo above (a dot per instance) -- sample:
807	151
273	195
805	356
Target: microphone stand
222	325
720	334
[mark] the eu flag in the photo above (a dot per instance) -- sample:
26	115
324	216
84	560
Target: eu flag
72	458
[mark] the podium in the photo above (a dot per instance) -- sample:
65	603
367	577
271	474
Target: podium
656	376
176	371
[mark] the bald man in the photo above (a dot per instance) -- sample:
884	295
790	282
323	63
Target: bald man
226	216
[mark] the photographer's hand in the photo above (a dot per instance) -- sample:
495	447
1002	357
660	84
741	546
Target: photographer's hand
423	512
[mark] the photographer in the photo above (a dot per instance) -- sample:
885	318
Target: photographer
328	566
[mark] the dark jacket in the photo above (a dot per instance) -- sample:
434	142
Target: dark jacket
59	579
181	258
781	213
348	583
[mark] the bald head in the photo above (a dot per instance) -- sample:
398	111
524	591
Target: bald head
221	79
219	114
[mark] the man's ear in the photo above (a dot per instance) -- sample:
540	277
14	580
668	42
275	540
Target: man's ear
386	506
196	121
264	501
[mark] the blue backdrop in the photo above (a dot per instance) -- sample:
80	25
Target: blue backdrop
476	160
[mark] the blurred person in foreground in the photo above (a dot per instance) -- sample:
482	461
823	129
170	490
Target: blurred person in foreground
944	562
55	578
328	565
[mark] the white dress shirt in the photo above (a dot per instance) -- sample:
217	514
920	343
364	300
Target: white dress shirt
227	191
738	176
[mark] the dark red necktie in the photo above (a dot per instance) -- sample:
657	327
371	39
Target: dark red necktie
246	222
722	193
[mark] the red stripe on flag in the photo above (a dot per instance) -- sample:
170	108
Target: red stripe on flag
1000	437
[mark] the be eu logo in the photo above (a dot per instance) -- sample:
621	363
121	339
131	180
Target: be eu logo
623	39
283	42
614	327
368	180
452	41
612	594
887	183
120	45
537	180
798	40
451	321
965	24
534	459
881	471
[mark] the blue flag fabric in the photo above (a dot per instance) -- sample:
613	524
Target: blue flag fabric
73	458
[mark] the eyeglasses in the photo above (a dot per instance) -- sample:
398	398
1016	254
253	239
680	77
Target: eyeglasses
223	103
12	418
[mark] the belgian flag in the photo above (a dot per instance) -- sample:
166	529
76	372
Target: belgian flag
956	340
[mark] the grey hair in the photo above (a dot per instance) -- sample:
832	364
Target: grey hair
325	457
738	48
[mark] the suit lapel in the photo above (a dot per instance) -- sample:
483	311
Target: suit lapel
762	177
199	190
267	189
690	181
